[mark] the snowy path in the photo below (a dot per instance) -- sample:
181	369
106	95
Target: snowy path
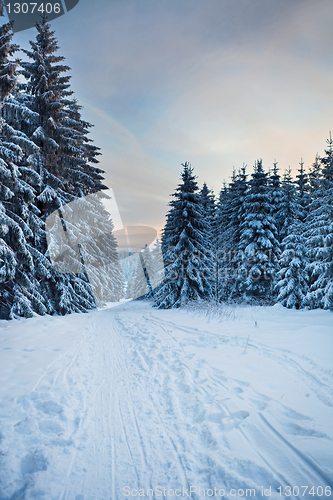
132	396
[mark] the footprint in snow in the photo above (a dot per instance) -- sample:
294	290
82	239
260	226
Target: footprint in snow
237	390
50	427
50	408
233	420
26	426
33	462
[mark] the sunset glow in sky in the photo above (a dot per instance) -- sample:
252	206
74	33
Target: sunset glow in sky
213	82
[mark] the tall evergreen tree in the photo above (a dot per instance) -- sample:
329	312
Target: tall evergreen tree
62	163
188	275
288	201
238	193
156	268
303	192
319	235
292	287
208	206
238	188
258	242
229	218
276	198
223	251
21	265
7	66
315	176
139	285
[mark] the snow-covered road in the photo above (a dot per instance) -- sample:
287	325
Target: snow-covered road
115	402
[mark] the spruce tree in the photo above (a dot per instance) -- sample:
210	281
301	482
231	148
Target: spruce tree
147	273
208	206
156	268
139	285
227	225
288	204
315	176
64	165
187	271
221	261
276	198
292	287
235	215
223	251
21	265
303	192
8	67
319	235
258	243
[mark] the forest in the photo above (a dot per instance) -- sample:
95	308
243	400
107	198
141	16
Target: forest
266	239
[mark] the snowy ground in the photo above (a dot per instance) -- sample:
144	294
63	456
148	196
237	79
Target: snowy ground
146	399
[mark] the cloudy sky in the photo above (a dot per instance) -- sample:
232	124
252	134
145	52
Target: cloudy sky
213	82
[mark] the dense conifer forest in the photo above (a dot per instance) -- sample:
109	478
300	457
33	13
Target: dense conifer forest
267	238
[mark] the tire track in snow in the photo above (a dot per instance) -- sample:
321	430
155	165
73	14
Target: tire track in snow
289	359
130	402
310	464
121	329
176	415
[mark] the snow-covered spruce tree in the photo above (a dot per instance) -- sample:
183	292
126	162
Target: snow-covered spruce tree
8	67
66	175
209	209
293	287
229	217
22	225
235	216
208	206
21	265
232	209
276	198
88	222
288	204
303	197
224	253
187	269
140	285
259	247
156	269
319	237
315	176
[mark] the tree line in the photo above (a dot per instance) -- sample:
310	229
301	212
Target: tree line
267	238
